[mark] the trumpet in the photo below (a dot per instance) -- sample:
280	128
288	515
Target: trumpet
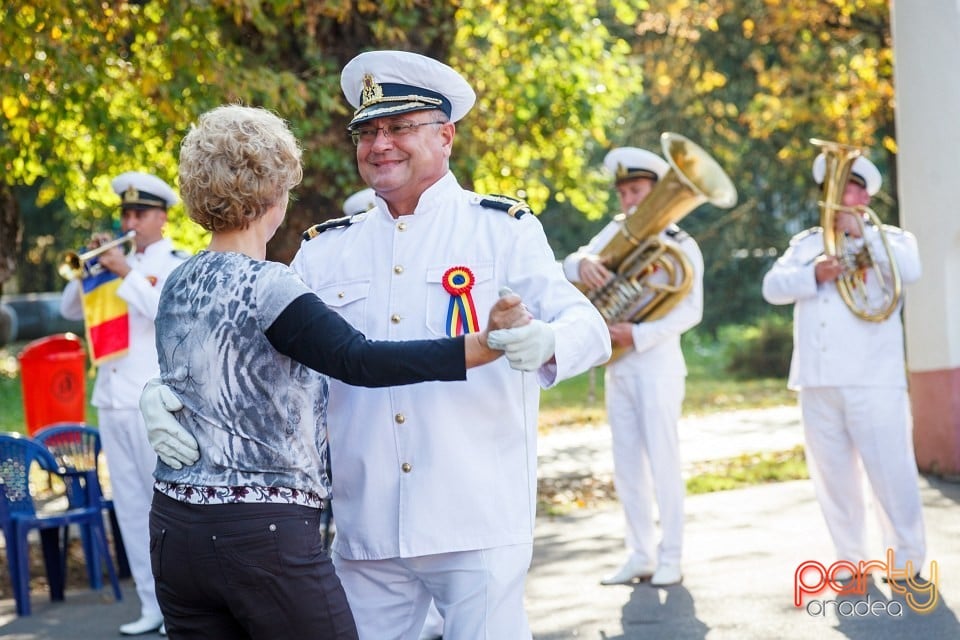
75	265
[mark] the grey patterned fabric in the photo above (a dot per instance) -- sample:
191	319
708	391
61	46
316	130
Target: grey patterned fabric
259	417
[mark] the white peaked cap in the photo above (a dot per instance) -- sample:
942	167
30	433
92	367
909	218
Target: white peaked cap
863	172
139	190
629	163
380	84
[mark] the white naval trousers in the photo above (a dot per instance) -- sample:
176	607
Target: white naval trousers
849	430
478	593
643	414
131	461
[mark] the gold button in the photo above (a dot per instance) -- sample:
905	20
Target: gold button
406	467
395	318
341	295
402	226
398	269
400	418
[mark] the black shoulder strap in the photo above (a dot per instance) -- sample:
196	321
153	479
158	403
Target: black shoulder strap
676	233
512	206
319	228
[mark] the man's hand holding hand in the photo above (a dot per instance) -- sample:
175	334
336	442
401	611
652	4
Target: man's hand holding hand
527	347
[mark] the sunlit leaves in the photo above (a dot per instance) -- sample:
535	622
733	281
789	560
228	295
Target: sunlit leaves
549	78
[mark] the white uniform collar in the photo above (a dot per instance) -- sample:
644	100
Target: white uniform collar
161	245
437	194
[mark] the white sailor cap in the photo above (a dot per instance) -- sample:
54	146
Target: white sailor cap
138	190
359	202
629	163
379	84
863	172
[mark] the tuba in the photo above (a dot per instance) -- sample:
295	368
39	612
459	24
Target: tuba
75	265
638	251
851	284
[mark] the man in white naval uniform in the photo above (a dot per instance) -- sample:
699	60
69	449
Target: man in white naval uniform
851	378
359	202
435	483
645	386
116	393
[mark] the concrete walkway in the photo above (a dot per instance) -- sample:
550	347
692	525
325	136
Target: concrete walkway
742	550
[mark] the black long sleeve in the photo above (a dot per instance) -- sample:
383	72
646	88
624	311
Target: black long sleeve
312	334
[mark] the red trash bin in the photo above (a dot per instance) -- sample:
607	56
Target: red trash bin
52	379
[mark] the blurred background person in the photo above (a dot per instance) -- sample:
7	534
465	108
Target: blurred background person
118	307
645	386
850	375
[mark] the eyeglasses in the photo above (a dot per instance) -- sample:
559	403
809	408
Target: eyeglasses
391	131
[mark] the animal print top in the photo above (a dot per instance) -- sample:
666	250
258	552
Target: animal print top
258	416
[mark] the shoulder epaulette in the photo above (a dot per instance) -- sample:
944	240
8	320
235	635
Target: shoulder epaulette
180	253
803	234
512	206
676	233
319	228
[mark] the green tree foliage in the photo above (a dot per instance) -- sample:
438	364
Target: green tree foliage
94	88
752	81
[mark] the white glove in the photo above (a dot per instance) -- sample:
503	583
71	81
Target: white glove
526	347
174	445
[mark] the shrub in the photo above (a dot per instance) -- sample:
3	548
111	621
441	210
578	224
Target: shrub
760	351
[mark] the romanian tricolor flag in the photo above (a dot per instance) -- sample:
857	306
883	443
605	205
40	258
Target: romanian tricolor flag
105	316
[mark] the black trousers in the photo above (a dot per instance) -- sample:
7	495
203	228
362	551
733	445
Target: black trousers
238	571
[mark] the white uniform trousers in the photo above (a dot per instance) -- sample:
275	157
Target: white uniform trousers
131	461
433	625
478	593
844	428
643	414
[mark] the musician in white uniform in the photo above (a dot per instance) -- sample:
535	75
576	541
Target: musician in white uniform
645	387
116	393
851	378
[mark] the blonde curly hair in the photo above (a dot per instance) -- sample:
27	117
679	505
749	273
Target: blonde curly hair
235	163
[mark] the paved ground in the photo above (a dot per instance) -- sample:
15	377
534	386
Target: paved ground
742	550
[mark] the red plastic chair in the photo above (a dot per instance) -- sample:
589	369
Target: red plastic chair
18	516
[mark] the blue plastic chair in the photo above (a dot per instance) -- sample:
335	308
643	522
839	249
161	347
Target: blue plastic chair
76	445
18	516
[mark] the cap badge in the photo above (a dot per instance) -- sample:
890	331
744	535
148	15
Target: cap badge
372	92
131	195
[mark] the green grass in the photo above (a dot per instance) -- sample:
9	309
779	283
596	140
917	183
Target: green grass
577	401
580	400
748	469
563	495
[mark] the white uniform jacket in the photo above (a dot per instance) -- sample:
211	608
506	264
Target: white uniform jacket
832	346
656	344
120	380
441	466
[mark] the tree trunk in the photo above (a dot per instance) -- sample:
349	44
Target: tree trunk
10	233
